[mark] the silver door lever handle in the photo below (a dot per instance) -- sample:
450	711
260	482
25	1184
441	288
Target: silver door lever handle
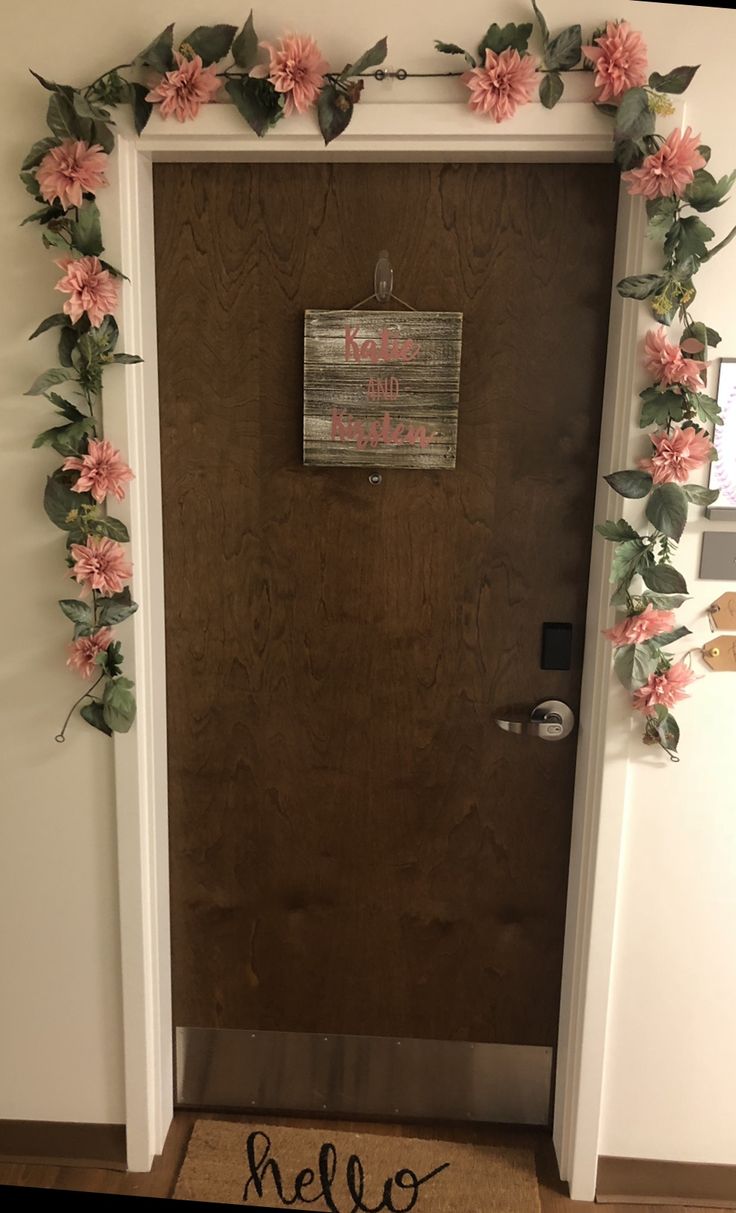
550	720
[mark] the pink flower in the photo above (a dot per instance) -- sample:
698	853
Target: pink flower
100	564
670	170
665	363
620	58
70	170
677	455
185	90
83	652
635	629
296	67
102	471
507	81
666	689
93	290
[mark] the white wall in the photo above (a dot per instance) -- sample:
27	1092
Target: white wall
671	1056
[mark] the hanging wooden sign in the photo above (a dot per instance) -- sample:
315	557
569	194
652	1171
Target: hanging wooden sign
381	388
720	654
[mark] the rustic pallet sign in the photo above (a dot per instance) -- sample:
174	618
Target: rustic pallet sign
381	388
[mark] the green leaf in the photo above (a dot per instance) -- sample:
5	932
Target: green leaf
100	133
116	608
57	374
159	54
111	660
68	338
659	407
43	215
634	663
543	27
687	238
551	89
65	438
93	713
665	602
57	320
675	81
111	528
38	151
563	52
142	109
511	36
77	611
664	579
63	120
640	286
628	153
88	109
31	184
371	58
211	42
702	333
628	558
630	483
52	239
705	193
86	231
334	111
118	704
661	212
698	494
451	48
245	47
705	152
617	531
257	101
667	510
60	503
668	732
127	359
667	638
65	408
708	409
634	118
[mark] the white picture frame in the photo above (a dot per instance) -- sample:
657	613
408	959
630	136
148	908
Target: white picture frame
723	470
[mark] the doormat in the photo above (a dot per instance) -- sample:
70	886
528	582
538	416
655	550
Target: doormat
323	1171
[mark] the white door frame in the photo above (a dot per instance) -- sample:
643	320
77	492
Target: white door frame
437	131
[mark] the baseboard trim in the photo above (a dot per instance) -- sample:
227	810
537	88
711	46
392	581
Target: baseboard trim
63	1144
649	1181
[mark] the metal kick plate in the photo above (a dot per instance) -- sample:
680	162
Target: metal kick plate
371	1076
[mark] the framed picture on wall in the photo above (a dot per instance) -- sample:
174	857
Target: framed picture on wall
723	471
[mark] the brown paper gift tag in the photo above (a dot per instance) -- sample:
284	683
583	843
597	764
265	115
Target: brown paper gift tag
720	654
722	612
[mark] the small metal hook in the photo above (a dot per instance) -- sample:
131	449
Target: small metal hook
383	278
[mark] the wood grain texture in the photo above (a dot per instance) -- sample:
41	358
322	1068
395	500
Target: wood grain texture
355	846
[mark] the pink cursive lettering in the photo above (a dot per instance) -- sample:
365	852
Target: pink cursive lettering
386	432
389	348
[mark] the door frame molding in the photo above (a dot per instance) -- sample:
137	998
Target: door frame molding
423	131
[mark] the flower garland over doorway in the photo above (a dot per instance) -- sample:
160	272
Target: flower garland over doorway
268	82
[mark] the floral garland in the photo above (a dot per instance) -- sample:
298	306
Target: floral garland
267	82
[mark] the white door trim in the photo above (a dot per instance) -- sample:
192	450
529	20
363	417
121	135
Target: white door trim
573	131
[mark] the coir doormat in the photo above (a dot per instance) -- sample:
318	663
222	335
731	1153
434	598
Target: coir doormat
322	1171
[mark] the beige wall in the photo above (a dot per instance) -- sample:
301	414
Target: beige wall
671	1055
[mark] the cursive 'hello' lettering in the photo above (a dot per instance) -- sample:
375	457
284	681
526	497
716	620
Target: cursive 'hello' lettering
262	1167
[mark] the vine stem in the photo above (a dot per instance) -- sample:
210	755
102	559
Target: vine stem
87	695
722	245
118	68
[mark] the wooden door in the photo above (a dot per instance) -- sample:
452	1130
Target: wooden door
356	847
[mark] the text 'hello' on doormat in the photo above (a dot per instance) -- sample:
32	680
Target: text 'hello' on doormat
322	1171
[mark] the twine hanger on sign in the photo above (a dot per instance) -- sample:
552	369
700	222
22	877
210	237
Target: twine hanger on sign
383	284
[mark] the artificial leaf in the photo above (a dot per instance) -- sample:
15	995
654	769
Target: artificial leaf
60	503
100	133
86	231
211	42
563	52
54	239
705	193
634	118
257	101
111	528
667	638
511	36
667	510
334	111
628	153
698	494
630	483
118	704
44	215
31	183
628	558
702	333
116	608
245	49
57	374
142	109
551	89
668	732
88	109
63	120
451	48
68	338
543	27
93	713
127	359
640	286
66	439
708	409
371	58
38	151
664	579
634	663
59	319
687	238
661	212
665	602
617	531
159	54
65	408
675	81
77	611
659	407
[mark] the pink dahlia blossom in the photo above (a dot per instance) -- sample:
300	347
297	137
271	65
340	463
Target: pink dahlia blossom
184	91
635	629
676	455
100	564
505	82
70	170
296	67
666	689
665	363
83	652
92	289
101	471
620	58
670	170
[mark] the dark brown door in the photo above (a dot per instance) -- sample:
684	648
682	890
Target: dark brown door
356	847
